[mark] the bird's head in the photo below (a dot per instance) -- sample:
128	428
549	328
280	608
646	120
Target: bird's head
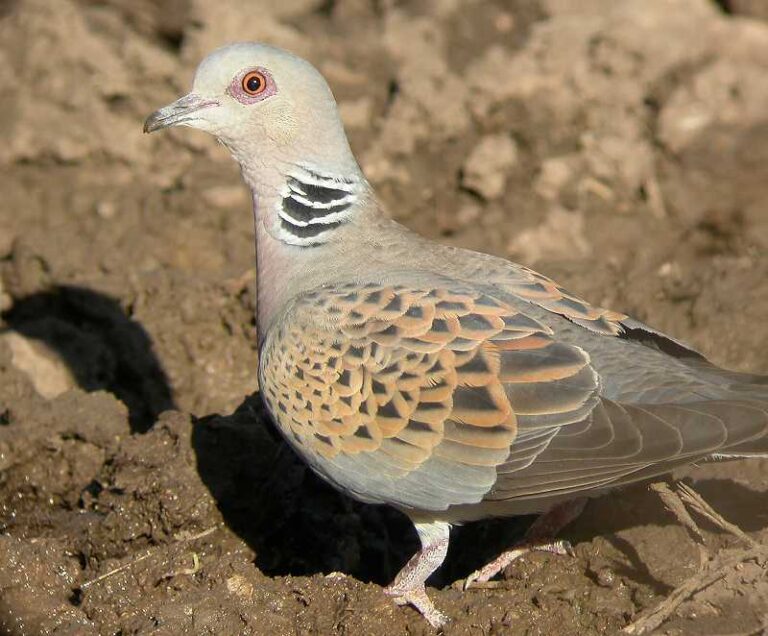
277	116
262	103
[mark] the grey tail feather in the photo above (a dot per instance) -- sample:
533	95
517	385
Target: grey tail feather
749	389
744	385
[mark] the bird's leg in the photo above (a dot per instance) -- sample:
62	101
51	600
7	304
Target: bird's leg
408	586
539	537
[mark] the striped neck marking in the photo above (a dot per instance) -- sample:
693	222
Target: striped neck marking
313	204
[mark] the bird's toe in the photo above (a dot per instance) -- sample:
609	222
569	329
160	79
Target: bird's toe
419	599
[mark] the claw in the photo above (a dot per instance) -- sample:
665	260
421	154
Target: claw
472	578
562	548
499	564
538	538
419	599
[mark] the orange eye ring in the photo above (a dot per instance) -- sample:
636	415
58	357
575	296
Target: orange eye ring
254	83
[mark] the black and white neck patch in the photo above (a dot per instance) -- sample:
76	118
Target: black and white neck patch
313	204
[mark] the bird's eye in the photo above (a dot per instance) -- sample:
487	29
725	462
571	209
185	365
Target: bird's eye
254	83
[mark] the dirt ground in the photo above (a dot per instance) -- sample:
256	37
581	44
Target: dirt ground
618	146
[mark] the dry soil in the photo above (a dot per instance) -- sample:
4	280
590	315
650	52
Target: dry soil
618	146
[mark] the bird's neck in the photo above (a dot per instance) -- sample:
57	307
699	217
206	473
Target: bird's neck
275	266
299	211
303	203
313	204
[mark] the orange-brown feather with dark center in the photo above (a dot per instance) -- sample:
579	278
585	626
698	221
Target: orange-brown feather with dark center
543	291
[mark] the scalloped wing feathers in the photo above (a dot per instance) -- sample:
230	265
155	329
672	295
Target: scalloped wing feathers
415	396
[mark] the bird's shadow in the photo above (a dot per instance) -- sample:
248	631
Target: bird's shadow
294	521
102	346
298	525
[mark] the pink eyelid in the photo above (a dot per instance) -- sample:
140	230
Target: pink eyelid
236	87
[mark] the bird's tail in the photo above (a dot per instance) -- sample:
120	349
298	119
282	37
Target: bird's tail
749	395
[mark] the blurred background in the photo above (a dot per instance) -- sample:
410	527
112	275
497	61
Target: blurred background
618	146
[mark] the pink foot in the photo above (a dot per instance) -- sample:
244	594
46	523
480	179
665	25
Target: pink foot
408	586
419	599
488	571
539	538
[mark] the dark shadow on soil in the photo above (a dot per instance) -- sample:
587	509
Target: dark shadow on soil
637	505
299	525
294	521
102	346
638	571
739	504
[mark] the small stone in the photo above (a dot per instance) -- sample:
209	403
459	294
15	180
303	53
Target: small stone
510	618
226	197
555	173
468	213
240	586
48	374
342	74
561	235
106	209
6	302
670	269
605	577
485	170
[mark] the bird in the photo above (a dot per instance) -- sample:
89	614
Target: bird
449	384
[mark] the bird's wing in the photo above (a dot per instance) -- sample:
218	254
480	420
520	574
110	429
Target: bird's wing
415	397
427	398
535	288
623	443
668	410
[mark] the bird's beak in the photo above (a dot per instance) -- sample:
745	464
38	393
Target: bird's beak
182	112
